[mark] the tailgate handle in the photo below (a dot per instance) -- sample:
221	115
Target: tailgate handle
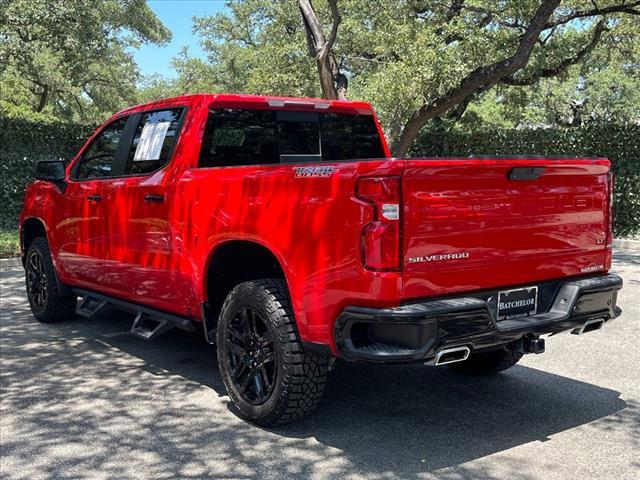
526	173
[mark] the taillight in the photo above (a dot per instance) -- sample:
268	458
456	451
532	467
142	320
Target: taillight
381	242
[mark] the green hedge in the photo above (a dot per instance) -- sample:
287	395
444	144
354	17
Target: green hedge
619	143
22	142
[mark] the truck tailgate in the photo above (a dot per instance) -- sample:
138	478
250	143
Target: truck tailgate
472	224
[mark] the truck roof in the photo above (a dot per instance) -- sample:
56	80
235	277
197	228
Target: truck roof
231	100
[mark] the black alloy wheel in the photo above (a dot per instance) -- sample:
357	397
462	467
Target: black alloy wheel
49	303
269	376
36	281
252	360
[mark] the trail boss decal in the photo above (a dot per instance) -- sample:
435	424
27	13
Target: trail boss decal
305	172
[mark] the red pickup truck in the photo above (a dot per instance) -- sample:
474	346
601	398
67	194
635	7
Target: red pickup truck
283	229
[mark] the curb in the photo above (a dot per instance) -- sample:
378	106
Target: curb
10	262
624	243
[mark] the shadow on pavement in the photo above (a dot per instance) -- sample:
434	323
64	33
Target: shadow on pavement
399	419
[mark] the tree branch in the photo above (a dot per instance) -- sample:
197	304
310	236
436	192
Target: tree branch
494	16
44	98
563	65
623	8
458	111
481	78
336	19
332	82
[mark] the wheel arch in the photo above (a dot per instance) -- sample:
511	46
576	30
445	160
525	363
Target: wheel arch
230	263
30	229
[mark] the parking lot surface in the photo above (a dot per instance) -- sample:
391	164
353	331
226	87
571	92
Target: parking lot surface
84	399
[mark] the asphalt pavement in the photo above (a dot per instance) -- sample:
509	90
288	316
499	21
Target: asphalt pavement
84	399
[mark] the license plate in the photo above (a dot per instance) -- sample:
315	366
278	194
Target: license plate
520	302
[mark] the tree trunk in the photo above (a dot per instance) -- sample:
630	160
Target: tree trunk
332	82
44	98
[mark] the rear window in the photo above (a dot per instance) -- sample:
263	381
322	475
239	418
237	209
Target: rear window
257	137
153	141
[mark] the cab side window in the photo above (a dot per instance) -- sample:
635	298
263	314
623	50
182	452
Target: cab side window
97	160
235	137
153	141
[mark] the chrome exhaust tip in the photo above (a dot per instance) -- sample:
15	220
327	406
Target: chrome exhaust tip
589	326
452	355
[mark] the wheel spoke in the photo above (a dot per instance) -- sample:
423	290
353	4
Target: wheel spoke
239	372
33	264
268	357
253	327
244	319
235	334
245	382
38	299
258	388
265	378
235	348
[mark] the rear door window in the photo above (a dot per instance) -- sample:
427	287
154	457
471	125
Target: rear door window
239	137
153	141
236	137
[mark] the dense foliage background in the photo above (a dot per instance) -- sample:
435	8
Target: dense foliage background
24	141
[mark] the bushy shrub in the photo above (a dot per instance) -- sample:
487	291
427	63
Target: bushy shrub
22	142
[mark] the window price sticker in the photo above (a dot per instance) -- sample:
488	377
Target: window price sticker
151	140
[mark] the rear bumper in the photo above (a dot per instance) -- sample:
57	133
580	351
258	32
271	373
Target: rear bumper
418	331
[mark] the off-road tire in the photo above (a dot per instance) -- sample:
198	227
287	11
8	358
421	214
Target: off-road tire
300	376
55	307
487	363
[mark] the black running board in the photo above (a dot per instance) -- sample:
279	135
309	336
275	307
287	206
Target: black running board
90	307
148	324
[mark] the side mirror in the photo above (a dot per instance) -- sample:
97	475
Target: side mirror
50	170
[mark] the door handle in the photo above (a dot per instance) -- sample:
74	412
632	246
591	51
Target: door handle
94	198
154	198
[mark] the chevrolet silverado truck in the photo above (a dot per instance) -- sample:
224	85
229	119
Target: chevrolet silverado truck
283	230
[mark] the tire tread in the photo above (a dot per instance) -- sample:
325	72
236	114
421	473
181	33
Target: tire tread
305	373
59	307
